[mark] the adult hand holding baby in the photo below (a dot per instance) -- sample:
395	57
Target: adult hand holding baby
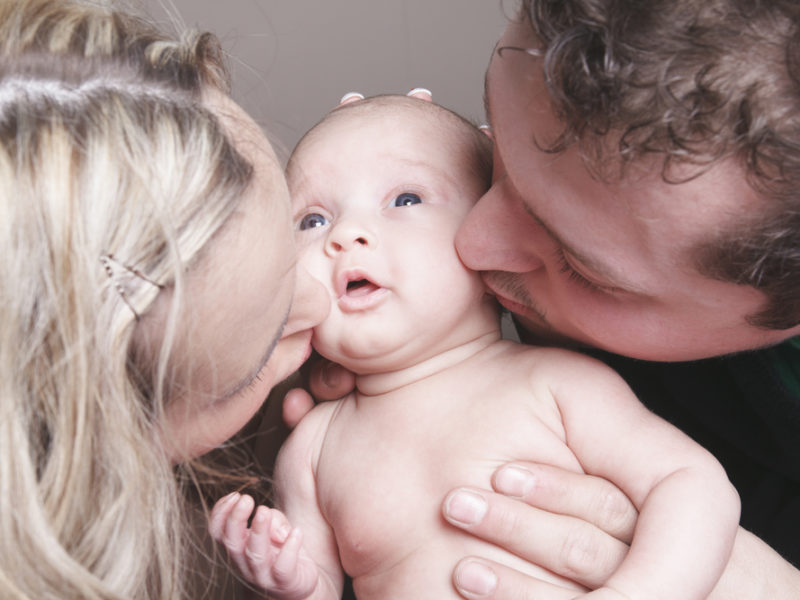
580	527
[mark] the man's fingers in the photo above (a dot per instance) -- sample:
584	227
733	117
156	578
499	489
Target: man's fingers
589	498
296	405
330	381
564	545
476	578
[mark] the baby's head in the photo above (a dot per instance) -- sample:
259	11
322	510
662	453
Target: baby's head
379	188
443	126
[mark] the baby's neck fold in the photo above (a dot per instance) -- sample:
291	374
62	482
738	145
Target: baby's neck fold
375	384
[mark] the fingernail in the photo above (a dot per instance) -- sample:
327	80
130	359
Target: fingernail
281	532
229	498
475	578
351	96
514	481
420	90
464	507
331	374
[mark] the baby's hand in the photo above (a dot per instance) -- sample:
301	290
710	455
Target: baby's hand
269	553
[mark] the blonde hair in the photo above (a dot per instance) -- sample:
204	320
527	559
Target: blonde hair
113	176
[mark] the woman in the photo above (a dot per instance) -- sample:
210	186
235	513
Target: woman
147	276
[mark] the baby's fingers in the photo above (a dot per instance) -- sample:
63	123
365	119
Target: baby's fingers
219	514
293	571
235	534
285	567
273	552
261	551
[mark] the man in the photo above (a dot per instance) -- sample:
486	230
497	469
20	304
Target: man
646	158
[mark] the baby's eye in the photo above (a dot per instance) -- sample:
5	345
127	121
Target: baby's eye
312	220
406	199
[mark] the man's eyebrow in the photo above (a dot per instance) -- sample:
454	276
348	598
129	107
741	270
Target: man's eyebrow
250	377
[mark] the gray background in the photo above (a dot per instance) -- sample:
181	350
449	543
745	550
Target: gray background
293	59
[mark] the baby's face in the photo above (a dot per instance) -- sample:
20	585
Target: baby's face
377	200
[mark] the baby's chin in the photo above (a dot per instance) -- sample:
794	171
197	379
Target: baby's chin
363	359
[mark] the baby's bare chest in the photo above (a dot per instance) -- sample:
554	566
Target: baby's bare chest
383	474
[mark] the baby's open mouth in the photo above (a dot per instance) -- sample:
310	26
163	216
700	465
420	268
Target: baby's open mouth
360	287
358	293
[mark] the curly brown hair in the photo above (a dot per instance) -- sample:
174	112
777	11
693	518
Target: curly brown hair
694	82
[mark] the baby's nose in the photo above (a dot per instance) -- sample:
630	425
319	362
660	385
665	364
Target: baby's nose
345	236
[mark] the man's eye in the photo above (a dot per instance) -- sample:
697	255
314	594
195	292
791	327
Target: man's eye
311	221
406	199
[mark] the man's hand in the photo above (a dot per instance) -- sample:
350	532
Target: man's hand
580	527
326	380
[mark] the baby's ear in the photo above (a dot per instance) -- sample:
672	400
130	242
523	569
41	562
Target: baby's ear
421	93
351	97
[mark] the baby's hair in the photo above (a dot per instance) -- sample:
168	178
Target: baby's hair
477	146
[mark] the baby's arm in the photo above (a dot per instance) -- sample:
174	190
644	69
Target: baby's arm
272	553
689	511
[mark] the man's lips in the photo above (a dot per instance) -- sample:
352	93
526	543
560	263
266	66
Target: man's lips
512	305
532	315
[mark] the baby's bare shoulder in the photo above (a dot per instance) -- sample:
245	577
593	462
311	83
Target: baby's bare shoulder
511	356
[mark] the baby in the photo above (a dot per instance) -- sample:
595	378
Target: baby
379	190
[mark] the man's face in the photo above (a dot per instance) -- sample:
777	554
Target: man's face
609	265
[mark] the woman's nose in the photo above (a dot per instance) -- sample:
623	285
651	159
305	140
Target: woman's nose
310	305
347	235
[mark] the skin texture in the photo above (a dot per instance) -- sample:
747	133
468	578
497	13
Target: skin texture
242	332
606	265
377	204
587	263
634	291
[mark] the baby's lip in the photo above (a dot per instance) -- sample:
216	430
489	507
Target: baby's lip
354	283
357	291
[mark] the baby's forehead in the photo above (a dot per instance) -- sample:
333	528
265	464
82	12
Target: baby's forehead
356	116
391	127
381	121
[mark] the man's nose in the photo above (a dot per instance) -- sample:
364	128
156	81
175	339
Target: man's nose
499	235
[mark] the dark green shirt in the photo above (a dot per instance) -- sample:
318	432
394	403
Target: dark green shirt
745	408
